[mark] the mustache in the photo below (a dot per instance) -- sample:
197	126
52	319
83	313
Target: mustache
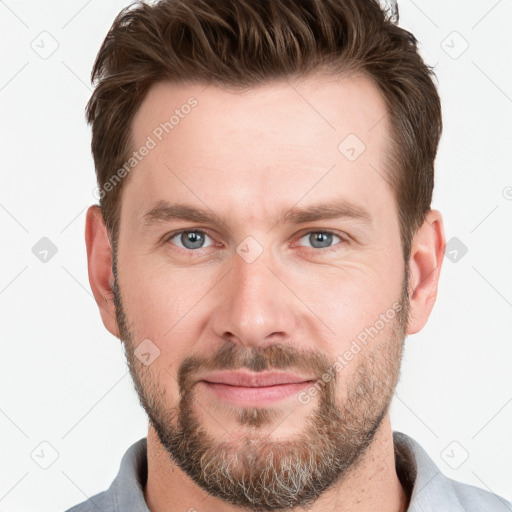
236	357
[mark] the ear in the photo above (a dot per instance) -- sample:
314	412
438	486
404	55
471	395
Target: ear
427	253
99	262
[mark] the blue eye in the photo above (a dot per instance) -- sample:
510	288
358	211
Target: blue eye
191	239
320	239
194	239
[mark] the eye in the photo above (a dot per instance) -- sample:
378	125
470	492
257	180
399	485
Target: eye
191	239
321	239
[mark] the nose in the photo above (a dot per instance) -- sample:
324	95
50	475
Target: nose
254	307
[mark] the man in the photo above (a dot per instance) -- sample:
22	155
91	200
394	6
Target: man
264	244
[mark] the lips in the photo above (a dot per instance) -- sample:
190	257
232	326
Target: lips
254	380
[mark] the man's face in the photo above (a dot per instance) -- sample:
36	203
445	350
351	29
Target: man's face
263	291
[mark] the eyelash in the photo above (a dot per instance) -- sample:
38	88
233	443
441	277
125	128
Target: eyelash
343	240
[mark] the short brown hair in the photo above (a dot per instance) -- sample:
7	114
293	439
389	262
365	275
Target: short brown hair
243	43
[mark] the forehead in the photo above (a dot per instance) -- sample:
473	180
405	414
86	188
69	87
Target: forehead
267	145
314	106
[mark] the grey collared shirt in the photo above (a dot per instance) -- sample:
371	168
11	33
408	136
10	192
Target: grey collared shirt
430	490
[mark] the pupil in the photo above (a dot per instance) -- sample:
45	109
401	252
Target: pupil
192	239
320	240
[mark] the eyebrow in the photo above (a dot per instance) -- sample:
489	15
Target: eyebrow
166	212
330	210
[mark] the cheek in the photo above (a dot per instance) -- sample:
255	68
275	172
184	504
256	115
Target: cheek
371	357
351	296
156	296
162	304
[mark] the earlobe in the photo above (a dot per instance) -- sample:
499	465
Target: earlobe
99	263
427	253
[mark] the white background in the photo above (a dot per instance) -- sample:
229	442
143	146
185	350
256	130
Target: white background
63	377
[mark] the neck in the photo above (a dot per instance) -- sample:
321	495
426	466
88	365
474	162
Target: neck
372	485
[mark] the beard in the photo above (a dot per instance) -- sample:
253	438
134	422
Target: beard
257	472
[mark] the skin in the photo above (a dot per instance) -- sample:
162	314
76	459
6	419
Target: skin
248	157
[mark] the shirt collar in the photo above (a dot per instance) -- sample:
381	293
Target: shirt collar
128	487
427	487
